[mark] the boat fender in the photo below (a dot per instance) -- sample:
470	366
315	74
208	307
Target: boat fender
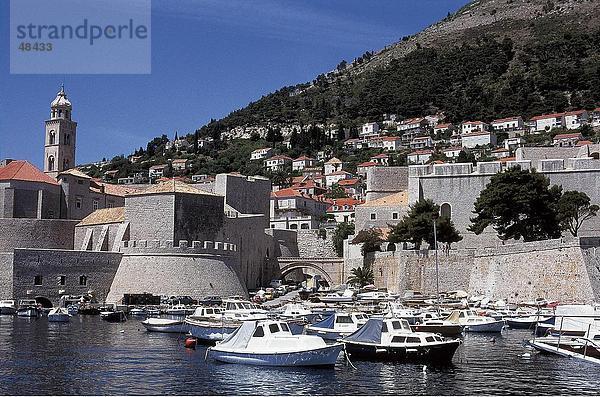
190	343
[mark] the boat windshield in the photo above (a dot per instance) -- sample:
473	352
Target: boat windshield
273	328
344	320
284	327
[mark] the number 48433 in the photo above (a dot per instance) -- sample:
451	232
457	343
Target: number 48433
35	46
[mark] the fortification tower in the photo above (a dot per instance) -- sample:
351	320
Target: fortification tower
59	147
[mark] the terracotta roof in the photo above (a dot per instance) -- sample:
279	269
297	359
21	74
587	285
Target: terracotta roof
261	150
367	164
412	121
575	112
400	198
159	167
500	150
172	186
381	156
304	158
568	136
547	116
75	172
416	152
451	149
22	170
180	161
583	143
96	185
506	159
473	122
438	162
420	138
341	202
444	126
103	216
334	160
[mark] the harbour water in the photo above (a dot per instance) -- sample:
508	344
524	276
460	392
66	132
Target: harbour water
89	356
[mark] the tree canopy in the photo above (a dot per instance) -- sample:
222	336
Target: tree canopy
574	208
518	204
370	239
416	226
342	231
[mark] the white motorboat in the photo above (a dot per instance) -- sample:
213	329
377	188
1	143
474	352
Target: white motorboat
474	323
337	325
397	310
179	310
138	312
241	310
28	308
346	297
294	311
271	343
210	331
393	339
374	296
8	307
165	325
59	315
207	313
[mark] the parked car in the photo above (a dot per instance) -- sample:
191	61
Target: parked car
275	283
212	300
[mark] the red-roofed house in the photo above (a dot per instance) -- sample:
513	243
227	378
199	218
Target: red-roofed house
362	168
500	153
392	143
343	209
421	142
452	152
278	163
335	177
381	159
478	138
576	119
353	186
508	124
442	128
546	122
584	143
469	127
419	156
302	162
595	117
292	210
567	140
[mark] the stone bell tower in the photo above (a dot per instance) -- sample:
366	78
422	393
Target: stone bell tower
61	132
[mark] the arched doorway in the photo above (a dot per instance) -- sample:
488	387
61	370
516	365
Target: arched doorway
446	210
45	302
306	265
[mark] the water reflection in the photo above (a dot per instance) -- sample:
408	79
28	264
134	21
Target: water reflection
89	356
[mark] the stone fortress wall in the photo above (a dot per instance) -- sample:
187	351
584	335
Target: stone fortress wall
568	271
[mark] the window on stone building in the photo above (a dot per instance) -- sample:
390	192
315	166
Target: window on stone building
78	202
294	226
305	226
95	205
82	280
62	280
373	217
394	215
52	138
37	280
51	163
446	210
79	182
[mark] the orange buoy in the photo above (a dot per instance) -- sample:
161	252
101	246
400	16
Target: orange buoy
190	343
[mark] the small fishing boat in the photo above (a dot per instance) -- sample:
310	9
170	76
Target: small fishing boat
295	311
526	322
474	323
179	310
270	343
346	297
374	296
393	340
87	310
113	316
138	312
242	310
59	315
207	313
210	331
397	310
8	307
152	311
28	308
434	324
154	324
337	325
582	348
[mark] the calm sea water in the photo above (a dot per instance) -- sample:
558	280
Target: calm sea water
89	356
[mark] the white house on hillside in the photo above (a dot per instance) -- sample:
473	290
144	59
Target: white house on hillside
369	129
261	154
576	119
302	162
547	122
278	163
478	138
333	165
473	126
419	156
508	124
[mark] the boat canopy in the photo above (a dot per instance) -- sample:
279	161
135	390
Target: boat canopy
240	337
368	333
328	322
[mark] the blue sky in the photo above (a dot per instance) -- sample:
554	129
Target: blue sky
209	57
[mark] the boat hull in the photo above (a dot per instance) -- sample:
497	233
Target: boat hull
59	318
326	356
206	332
440	354
496	326
176	328
7	310
113	317
29	312
516	323
444	330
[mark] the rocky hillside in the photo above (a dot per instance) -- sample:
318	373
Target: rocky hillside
492	58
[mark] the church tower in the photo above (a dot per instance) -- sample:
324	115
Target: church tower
59	152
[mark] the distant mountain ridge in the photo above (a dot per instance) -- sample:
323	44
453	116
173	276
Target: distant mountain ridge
492	58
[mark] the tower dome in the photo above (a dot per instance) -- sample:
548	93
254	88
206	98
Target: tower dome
61	99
